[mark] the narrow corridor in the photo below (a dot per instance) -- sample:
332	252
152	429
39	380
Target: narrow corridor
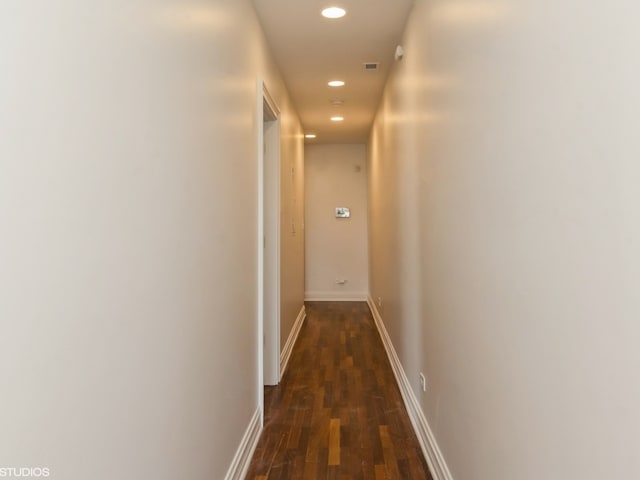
338	412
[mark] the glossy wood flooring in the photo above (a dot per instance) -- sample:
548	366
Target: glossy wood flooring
337	413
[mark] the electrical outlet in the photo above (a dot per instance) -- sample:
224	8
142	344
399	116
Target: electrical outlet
380	302
423	382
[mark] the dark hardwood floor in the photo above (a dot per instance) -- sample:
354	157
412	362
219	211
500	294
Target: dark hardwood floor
337	413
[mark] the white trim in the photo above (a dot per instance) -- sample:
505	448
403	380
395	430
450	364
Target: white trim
242	459
271	285
430	449
270	103
291	341
335	296
260	247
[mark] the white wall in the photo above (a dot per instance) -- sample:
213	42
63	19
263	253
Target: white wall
292	246
336	249
504	233
128	200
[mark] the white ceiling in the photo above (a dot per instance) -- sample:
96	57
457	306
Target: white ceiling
311	50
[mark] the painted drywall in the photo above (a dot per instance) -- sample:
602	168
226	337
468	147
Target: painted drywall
336	248
292	246
128	237
504	233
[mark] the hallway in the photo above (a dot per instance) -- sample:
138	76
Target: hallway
487	154
338	412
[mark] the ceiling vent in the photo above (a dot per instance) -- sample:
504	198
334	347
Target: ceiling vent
371	66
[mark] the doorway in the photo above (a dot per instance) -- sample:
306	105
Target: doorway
269	236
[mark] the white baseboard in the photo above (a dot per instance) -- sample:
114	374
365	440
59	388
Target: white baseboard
335	296
291	341
427	441
242	459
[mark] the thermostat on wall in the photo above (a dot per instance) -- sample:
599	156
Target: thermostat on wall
342	212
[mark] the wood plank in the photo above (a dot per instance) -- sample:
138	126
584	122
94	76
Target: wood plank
334	442
388	451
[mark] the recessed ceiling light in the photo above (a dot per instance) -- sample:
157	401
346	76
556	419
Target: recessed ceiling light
336	83
310	135
334	12
337	119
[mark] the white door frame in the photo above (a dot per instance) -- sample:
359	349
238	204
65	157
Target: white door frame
268	242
